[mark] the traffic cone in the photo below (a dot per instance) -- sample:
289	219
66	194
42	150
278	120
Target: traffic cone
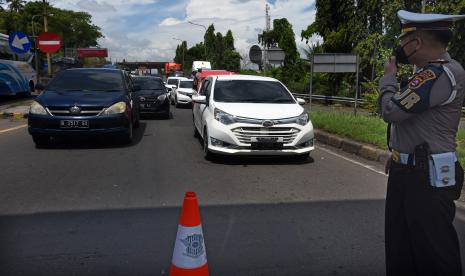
189	256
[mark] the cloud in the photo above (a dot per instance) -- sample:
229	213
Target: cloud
144	29
170	21
93	5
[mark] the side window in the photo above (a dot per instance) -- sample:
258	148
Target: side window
208	89
204	88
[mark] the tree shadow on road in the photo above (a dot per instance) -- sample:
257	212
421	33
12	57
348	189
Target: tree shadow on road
344	237
308	238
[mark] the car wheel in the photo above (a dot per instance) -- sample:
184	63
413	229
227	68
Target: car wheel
137	122
126	138
207	154
40	140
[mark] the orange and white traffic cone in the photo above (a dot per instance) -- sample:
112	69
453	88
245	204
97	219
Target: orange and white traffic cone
189	256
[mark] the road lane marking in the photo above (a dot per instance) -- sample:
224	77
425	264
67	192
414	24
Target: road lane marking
353	161
13	128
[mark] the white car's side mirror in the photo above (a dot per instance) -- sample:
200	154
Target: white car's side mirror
199	99
300	101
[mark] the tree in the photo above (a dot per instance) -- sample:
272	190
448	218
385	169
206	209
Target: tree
229	41
232	61
209	39
16	5
181	51
218	57
283	37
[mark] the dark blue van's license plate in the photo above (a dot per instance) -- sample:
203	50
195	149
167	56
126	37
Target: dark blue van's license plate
74	124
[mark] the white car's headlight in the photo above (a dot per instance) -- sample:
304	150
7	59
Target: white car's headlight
117	108
37	108
223	117
302	119
162	97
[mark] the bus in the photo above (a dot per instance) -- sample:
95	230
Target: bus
17	76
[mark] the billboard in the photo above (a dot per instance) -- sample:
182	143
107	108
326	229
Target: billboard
92	52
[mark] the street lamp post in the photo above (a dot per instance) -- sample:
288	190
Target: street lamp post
182	41
36	52
204	40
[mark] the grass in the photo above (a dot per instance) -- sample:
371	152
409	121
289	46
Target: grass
367	129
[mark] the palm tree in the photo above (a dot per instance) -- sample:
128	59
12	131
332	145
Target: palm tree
16	5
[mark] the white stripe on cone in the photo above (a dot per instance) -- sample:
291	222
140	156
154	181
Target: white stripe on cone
51	42
189	248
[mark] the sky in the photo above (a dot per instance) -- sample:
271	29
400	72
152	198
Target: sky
142	30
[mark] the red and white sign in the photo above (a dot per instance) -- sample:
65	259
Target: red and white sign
49	42
92	52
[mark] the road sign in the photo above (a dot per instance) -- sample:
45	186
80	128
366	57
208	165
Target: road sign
49	42
276	55
255	54
19	42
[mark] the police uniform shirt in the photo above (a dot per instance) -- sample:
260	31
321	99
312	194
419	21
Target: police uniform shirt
437	123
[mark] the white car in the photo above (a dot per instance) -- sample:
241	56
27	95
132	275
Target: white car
250	115
182	95
172	82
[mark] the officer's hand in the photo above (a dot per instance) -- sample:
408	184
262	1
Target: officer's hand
390	67
387	166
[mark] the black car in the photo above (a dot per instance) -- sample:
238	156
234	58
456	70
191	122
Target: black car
153	96
85	102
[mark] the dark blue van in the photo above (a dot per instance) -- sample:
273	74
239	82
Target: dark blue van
84	102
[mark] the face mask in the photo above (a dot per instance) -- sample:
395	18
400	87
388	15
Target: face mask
400	55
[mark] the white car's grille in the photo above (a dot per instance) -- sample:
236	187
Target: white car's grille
245	134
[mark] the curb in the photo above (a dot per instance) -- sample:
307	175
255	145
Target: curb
14	115
350	146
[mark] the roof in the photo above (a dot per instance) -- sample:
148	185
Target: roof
245	77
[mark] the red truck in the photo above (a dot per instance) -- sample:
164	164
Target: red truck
171	67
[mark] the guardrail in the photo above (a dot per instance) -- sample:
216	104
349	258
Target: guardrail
330	98
336	99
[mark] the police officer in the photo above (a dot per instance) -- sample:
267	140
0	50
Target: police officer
424	175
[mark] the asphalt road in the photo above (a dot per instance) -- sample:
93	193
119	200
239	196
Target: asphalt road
95	208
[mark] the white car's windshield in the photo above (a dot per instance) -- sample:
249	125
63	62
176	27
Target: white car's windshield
251	91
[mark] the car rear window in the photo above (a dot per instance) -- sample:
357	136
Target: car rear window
91	80
149	83
185	84
173	81
251	91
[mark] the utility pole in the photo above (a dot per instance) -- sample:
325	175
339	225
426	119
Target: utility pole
267	28
36	51
49	60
